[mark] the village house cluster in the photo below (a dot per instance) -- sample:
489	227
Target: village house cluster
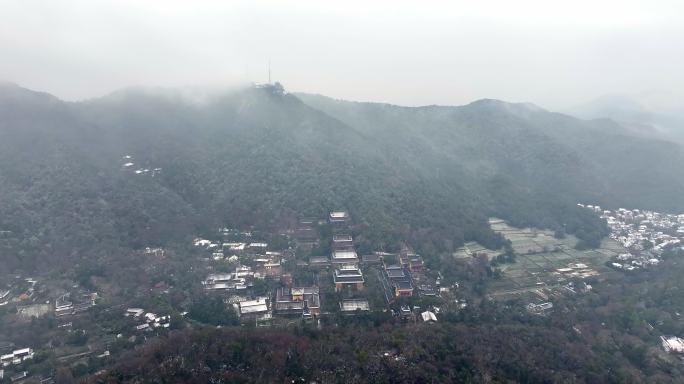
65	306
16	356
348	277
400	274
149	320
31	298
298	301
312	272
251	262
246	263
645	234
21	290
576	270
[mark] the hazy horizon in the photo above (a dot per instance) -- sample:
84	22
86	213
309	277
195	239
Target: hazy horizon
556	56
440	191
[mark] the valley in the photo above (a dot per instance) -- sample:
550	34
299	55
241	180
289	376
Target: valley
141	220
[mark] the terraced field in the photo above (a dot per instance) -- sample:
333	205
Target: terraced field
544	262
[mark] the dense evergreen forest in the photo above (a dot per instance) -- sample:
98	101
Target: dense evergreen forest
262	157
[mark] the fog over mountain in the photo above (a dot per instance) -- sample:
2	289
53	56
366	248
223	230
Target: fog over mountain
653	114
450	53
87	188
273	191
261	156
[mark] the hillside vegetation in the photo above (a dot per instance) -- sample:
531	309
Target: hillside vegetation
262	157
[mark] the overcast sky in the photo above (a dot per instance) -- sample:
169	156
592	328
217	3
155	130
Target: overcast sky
554	53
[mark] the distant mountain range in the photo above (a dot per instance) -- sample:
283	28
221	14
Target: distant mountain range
651	115
263	157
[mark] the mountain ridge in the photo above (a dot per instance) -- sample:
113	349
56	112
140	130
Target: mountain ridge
263	157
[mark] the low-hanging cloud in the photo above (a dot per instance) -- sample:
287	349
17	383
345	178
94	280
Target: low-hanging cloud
399	52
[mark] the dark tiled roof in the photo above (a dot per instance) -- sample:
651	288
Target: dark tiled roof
348	279
395	273
403	285
370	258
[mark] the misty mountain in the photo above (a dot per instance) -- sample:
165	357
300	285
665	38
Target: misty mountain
536	156
648	115
262	157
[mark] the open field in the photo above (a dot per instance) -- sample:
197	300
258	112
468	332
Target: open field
470	249
531	240
544	262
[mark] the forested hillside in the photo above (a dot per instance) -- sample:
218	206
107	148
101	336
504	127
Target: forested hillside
417	354
262	157
543	155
